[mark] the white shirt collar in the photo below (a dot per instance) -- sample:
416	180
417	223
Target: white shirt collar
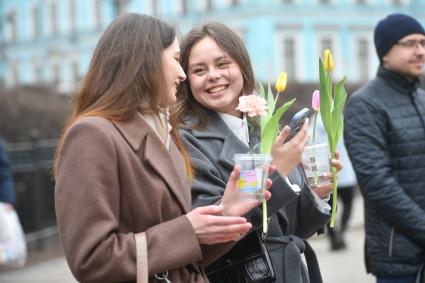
238	126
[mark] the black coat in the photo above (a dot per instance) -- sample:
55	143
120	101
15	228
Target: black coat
385	138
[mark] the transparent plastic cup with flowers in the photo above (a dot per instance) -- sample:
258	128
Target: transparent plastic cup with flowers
316	155
262	106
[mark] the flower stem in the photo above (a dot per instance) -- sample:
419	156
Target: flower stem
314	128
265	228
313	142
334	193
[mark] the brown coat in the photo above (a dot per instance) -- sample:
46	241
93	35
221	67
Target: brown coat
115	180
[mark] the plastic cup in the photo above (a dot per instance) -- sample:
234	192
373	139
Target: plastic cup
254	173
316	163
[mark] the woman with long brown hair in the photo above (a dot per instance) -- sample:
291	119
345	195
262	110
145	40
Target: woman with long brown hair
219	71
122	191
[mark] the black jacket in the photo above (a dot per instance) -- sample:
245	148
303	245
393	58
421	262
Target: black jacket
385	138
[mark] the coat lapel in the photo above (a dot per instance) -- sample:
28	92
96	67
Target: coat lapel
141	137
164	162
217	129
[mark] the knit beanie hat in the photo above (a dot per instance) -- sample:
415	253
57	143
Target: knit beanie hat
391	29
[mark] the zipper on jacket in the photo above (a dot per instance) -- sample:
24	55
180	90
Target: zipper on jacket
390	244
412	96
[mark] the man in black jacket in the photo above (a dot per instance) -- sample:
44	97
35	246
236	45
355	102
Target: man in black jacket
385	138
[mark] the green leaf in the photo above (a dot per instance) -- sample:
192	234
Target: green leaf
264	119
340	98
270	131
325	99
271	103
261	91
338	133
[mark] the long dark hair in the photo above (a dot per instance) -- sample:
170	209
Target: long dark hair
126	73
233	45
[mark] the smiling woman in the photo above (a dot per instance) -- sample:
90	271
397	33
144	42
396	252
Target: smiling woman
215	78
212	129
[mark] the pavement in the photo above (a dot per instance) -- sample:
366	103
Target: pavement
344	266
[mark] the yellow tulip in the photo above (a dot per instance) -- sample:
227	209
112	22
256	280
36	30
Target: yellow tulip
329	62
281	82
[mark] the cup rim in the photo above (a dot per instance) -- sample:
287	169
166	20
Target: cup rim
317	144
252	156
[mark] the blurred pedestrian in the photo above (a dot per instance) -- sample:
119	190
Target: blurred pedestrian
7	188
122	192
385	138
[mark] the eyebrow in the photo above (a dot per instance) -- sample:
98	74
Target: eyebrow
215	60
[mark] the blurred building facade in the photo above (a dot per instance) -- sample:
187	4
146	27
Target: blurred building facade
51	41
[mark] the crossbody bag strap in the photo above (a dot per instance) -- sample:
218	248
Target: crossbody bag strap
421	275
142	258
312	264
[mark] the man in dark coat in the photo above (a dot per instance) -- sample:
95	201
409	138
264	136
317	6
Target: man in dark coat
385	138
7	190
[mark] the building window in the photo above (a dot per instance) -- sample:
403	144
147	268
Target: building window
98	13
36	68
55	75
53	15
325	43
121	7
289	56
209	5
155	7
73	15
11	27
184	7
35	21
14	69
363	59
75	71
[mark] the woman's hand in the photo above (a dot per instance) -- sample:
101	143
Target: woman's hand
212	228
231	201
337	162
324	190
288	155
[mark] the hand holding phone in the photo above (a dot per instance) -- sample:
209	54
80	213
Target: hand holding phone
297	122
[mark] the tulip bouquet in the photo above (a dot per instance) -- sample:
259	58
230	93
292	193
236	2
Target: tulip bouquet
332	101
264	106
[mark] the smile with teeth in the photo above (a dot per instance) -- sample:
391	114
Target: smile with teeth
216	89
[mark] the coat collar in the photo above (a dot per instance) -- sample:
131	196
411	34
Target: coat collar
398	81
217	129
142	138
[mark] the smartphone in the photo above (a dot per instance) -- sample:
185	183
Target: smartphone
297	122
